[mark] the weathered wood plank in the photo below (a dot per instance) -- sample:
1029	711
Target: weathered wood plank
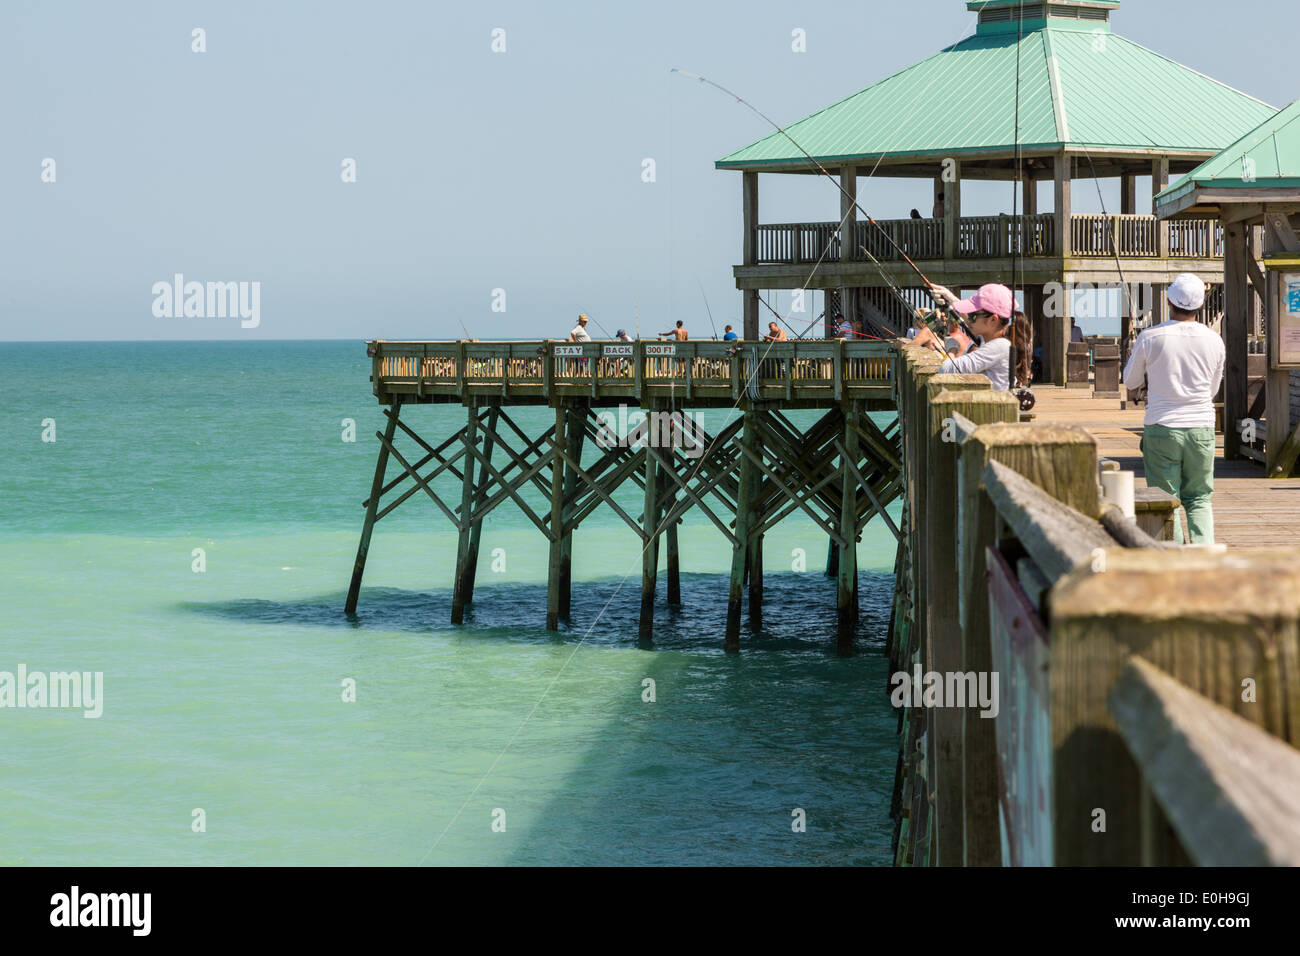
1230	790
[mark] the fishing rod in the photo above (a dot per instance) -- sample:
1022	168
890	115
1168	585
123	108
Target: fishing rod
844	192
712	325
598	324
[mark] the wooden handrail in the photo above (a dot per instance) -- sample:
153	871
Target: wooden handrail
703	368
1057	537
1230	790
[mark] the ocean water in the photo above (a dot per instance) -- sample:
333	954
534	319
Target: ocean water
491	743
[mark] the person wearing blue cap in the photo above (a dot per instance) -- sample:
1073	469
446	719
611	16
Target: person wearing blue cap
1182	363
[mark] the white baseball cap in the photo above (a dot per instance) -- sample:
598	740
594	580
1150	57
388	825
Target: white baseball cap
1186	292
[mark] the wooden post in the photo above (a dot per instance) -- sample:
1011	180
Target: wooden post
832	558
1064	224
740	554
945	395
674	567
848	216
467	500
1128	194
846	612
951	210
467	495
749	188
1235	329
480	495
650	552
557	520
1277	382
1160	180
376	487
1209	622
574	439
1063	461
754	562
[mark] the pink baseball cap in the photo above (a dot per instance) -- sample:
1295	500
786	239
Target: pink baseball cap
990	298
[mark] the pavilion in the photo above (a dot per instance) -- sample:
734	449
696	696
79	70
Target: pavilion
1253	189
1091	104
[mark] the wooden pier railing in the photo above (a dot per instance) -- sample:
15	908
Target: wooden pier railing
990	237
1146	708
815	373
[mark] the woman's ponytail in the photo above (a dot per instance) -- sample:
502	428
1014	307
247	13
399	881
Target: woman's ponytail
1021	334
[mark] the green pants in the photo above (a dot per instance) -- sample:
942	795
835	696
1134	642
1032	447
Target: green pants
1181	462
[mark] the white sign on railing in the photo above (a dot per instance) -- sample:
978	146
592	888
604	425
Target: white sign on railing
623	351
669	349
568	351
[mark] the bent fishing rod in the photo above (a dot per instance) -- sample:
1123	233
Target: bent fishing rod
844	192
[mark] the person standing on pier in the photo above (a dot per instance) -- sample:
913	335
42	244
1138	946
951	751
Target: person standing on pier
775	333
579	333
993	318
677	332
729	334
1182	364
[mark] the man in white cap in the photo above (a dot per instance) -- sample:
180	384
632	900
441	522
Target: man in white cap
1182	363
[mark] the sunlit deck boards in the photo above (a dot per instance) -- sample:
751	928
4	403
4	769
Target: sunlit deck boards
1250	511
816	373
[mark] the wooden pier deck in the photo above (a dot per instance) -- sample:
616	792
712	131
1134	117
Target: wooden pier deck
1251	512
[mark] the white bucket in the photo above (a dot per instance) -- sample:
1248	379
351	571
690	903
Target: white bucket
1117	487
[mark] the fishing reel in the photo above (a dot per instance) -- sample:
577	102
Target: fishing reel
1026	399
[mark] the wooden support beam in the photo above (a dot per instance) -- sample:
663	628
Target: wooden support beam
1235	330
575	432
650	550
1063	170
740	553
467	492
951	208
1159	181
557	519
476	532
674	567
372	505
846	611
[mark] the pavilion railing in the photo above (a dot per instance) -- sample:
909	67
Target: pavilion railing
1196	239
989	237
1002	236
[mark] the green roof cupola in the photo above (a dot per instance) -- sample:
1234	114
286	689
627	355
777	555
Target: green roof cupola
1015	16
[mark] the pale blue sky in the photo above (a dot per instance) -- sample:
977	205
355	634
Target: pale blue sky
476	170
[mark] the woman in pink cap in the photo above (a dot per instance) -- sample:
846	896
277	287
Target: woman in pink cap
995	321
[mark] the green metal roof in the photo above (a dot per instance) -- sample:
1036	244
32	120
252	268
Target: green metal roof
1268	157
1080	85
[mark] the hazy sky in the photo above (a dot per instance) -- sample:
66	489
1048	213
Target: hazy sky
475	170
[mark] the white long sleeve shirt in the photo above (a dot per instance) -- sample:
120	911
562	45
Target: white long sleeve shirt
1182	363
992	358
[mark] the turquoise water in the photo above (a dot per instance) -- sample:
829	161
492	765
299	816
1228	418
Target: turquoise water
222	689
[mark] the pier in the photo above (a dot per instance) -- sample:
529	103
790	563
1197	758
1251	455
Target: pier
1143	698
1150	707
840	472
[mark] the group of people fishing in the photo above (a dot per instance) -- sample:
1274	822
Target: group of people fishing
677	333
1180	362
